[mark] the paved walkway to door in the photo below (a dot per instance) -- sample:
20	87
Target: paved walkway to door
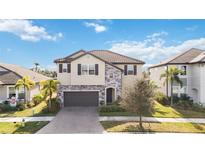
74	120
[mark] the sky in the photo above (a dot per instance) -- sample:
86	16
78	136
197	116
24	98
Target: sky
24	42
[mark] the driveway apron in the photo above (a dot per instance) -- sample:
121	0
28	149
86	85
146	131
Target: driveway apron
74	120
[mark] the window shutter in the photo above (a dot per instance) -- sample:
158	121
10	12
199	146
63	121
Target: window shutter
96	69
125	69
79	69
60	68
135	69
68	68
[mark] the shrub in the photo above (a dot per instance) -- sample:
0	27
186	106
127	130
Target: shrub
117	101
55	104
161	98
21	106
5	107
38	98
186	103
111	108
30	104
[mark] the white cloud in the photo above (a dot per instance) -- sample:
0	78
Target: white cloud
192	28
153	49
51	67
98	27
26	30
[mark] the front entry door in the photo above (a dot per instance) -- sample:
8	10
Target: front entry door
109	95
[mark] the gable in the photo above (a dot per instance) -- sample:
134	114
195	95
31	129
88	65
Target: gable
87	59
8	77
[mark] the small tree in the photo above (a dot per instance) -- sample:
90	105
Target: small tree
139	99
172	75
26	83
49	88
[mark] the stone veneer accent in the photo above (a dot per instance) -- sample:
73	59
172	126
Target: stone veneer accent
113	78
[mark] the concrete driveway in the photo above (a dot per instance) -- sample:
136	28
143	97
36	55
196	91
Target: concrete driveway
74	120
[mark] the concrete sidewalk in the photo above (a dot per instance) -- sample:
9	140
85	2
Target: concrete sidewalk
26	119
151	119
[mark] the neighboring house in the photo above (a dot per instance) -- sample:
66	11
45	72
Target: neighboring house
192	62
9	74
95	77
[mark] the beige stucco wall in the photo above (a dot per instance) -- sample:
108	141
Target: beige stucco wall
128	81
63	77
87	79
155	74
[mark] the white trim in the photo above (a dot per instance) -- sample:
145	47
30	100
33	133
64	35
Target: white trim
7	91
115	97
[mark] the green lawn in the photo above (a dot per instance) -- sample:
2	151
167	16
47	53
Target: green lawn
18	128
111	126
161	112
38	111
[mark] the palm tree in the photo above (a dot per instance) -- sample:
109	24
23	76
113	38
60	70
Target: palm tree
26	83
171	76
49	87
36	66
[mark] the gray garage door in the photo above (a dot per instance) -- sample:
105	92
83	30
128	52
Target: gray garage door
85	98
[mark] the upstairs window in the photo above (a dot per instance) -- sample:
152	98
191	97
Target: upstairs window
184	69
92	69
84	70
88	69
60	68
130	69
64	68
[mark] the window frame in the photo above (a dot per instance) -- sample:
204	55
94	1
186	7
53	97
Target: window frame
93	65
64	68
88	69
82	71
8	91
183	68
128	69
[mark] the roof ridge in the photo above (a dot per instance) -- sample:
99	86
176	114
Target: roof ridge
181	54
81	50
119	55
167	61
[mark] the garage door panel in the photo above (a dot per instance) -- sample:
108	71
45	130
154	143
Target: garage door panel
81	98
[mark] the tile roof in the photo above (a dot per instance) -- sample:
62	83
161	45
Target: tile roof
8	78
21	71
105	55
70	57
113	57
181	58
199	58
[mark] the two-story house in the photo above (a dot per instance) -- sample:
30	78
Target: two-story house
192	62
90	78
